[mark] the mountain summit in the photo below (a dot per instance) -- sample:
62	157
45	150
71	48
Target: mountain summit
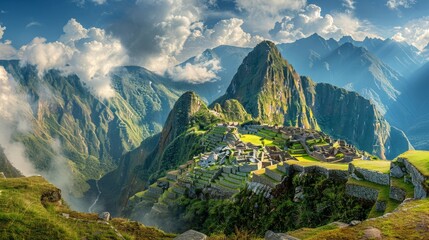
270	89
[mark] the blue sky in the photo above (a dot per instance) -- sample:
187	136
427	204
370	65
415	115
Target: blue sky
159	33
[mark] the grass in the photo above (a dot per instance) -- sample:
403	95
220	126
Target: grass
407	187
382	166
255	140
330	166
410	221
420	159
306	158
23	216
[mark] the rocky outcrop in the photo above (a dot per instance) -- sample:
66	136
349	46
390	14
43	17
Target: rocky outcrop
191	235
52	196
270	235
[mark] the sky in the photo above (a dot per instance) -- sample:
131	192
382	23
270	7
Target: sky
159	34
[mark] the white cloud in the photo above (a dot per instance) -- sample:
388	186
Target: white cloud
349	5
33	24
395	4
99	2
88	53
200	71
7	51
13	109
272	7
415	32
310	20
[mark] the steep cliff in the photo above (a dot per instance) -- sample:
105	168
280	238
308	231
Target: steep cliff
270	89
6	167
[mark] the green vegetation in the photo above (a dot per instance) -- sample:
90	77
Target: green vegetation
24	216
409	221
255	140
325	201
382	166
419	159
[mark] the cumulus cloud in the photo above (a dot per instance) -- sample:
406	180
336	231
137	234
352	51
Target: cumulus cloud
88	53
310	20
7	51
12	120
202	69
395	4
415	32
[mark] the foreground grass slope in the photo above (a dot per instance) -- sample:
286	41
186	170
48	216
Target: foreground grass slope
24	216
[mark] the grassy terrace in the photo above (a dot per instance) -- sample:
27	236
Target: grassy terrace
410	221
330	166
256	140
382	166
407	187
383	195
420	159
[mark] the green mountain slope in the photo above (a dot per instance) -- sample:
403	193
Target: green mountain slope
270	89
272	92
176	144
93	133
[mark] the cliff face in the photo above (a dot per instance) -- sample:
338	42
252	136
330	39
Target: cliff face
176	144
347	115
232	110
270	89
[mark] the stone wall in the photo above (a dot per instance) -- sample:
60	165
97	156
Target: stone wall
420	191
371	176
397	194
362	192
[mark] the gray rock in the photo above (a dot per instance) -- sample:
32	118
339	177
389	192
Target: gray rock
191	235
339	224
396	171
2	175
104	216
66	215
372	233
380	206
270	235
355	222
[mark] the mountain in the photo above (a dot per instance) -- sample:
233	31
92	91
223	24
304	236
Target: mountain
270	89
272	92
228	59
345	65
411	112
401	56
6	167
176	144
93	133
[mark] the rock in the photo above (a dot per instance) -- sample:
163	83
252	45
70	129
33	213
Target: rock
66	215
2	175
354	176
339	224
191	235
270	235
355	222
51	196
372	233
380	206
299	194
104	216
396	171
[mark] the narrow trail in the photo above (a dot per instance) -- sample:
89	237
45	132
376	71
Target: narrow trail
96	200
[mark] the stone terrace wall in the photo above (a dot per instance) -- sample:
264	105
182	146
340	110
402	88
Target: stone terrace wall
420	191
362	192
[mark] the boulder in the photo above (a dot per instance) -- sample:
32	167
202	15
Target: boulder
51	196
380	206
339	224
270	235
104	216
355	222
372	233
2	175
396	171
191	235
